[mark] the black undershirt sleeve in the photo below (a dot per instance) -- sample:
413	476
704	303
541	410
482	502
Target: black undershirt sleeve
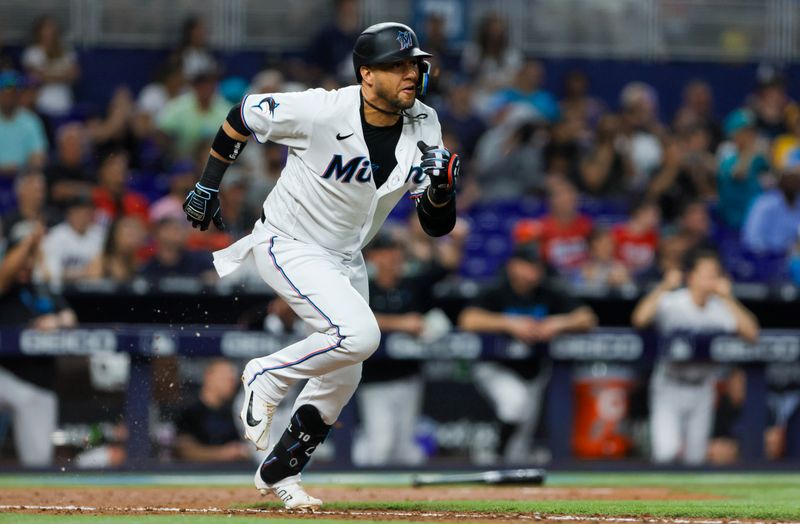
436	221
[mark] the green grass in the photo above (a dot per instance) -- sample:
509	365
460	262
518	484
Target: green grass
164	519
743	496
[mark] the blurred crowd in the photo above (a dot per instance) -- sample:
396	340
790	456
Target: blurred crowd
560	189
614	193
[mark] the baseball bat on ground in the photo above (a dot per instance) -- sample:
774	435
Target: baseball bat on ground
505	476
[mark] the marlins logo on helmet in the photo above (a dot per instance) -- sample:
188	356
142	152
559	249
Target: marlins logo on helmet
404	37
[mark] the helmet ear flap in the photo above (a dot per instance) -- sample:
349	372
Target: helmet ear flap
424	74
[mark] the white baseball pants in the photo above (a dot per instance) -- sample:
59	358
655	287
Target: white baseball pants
329	292
389	412
35	415
681	419
515	400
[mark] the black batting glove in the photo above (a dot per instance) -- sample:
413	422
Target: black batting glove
442	168
202	207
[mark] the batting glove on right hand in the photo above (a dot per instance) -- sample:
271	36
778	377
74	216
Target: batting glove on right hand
442	168
202	207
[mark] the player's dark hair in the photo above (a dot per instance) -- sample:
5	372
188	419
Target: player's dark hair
694	256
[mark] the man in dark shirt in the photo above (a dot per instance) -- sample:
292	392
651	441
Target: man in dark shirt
172	258
206	431
390	395
25	383
530	307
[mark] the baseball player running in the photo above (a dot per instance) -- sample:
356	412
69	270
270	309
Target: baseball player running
353	153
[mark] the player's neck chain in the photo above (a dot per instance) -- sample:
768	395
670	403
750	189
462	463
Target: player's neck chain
401	113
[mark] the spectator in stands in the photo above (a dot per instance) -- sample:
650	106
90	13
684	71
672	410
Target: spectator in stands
642	131
70	172
193	117
31	193
193	54
562	232
527	89
168	84
120	259
114	129
682	394
773	108
697	111
445	60
331	51
517	171
54	65
460	116
636	241
688	171
206	429
171	256
773	220
563	150
740	170
577	102
69	248
601	270
531	308
692	230
112	197
490	61
23	144
182	176
605	170
390	394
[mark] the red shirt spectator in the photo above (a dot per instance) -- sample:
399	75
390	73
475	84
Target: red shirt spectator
562	233
636	241
636	250
112	197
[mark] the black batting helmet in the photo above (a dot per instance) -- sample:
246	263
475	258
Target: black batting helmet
389	42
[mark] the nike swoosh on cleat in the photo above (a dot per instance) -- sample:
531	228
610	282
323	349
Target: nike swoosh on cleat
250	420
340	137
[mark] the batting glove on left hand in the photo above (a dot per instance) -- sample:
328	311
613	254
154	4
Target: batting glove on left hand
202	207
442	168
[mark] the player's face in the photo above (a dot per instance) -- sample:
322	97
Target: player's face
705	276
523	276
396	83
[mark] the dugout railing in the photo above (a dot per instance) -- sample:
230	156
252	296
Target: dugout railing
608	345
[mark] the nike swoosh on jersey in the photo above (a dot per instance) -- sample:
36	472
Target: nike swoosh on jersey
340	137
250	420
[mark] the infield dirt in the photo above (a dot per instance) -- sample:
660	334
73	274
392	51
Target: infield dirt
230	500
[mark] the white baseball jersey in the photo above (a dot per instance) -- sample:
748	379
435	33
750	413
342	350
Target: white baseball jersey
682	393
326	195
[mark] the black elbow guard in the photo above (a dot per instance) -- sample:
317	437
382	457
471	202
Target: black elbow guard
236	121
225	146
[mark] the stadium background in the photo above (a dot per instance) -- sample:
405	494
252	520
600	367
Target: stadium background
637	58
